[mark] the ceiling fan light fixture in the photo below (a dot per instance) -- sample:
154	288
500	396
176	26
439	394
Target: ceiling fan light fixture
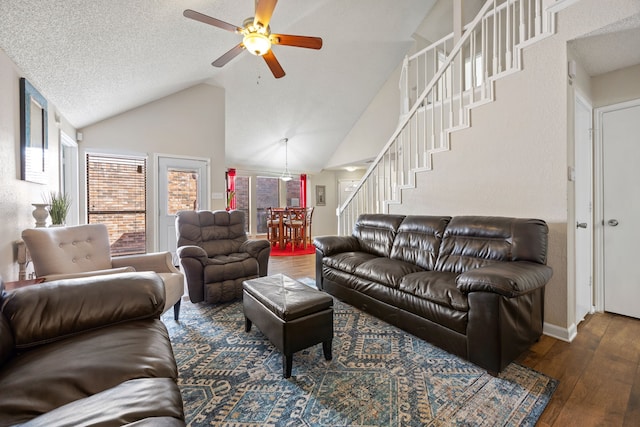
257	43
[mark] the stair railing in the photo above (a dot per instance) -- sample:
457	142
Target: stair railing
452	81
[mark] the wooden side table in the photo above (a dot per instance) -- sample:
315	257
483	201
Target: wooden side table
10	286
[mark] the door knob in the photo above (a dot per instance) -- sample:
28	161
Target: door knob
612	222
581	225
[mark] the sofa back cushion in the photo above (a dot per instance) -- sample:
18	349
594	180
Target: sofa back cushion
474	241
376	232
418	240
217	232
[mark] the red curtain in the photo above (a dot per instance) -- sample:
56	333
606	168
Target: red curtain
303	190
231	186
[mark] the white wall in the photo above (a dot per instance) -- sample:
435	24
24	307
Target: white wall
374	128
616	86
16	195
187	123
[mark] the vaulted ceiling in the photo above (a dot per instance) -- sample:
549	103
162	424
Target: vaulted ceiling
95	59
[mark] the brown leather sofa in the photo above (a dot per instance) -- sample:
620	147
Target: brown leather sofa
216	254
87	351
471	285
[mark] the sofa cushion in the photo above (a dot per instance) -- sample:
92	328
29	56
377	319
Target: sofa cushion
376	233
347	261
386	271
49	376
472	242
437	286
57	310
418	240
6	340
153	400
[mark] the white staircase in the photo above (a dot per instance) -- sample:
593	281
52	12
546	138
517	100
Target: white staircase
440	85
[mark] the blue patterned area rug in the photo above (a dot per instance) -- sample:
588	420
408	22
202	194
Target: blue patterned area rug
379	376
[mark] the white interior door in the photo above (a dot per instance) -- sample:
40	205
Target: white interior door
621	175
182	185
583	208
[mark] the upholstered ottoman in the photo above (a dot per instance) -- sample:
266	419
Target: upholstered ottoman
292	315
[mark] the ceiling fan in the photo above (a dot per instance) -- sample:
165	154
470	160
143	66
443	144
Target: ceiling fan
257	36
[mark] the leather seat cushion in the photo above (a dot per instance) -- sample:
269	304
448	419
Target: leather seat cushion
144	401
386	271
453	319
347	261
287	298
47	377
437	286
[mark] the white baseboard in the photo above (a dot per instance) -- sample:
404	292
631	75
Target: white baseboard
560	333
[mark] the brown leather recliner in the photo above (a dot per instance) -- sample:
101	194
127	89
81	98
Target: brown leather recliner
217	256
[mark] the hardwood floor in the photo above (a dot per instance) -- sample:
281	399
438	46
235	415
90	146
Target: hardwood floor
599	372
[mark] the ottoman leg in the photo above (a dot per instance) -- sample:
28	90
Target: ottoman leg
287	362
326	349
247	324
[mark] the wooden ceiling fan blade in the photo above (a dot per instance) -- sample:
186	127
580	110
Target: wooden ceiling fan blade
297	41
224	59
264	10
192	14
273	64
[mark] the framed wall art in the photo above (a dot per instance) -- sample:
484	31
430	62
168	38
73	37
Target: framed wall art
321	195
33	134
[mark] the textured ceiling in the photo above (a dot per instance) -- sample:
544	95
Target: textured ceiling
610	48
95	59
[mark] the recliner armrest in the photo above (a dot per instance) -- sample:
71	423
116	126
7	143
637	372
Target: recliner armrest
159	262
253	247
193	252
330	245
510	279
55	310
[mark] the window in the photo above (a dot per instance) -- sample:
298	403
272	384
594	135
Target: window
117	197
242	199
182	190
293	192
268	195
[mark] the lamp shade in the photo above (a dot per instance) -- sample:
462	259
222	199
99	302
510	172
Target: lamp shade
257	43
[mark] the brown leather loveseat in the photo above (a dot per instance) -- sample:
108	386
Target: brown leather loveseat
471	285
87	351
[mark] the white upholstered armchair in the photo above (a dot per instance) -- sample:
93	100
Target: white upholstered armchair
83	250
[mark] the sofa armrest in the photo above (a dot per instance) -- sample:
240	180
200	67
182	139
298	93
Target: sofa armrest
55	310
64	276
330	245
510	279
159	262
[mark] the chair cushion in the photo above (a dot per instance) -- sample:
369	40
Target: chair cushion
62	250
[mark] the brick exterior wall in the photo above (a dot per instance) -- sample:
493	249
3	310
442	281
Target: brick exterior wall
183	191
116	194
